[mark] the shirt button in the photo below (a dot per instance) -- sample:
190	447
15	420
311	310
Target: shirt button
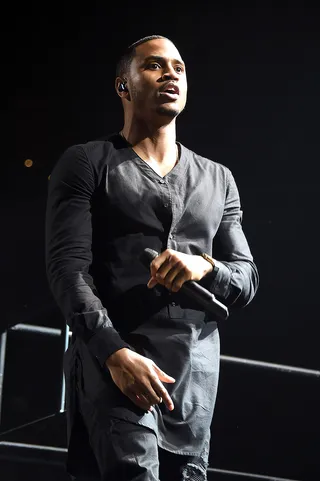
171	236
166	205
161	181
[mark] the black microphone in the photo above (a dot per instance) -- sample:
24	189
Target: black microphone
202	296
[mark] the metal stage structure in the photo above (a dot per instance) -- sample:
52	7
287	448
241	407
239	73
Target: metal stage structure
48	459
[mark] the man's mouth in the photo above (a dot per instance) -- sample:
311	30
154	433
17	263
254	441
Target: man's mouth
169	94
170	89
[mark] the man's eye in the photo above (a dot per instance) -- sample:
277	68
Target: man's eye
154	65
179	69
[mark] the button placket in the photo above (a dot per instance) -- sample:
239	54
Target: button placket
171	235
167	203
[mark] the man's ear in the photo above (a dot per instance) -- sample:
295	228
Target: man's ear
121	87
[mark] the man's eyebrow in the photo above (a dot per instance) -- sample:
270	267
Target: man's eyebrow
161	59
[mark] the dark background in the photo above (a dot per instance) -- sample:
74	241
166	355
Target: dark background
253	105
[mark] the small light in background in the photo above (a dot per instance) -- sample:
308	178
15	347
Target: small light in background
49	177
28	163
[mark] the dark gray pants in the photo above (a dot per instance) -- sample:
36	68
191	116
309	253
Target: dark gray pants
129	452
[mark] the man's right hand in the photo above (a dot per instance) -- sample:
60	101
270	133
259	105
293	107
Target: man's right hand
140	379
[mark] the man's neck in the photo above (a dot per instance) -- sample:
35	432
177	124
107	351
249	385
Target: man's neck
156	145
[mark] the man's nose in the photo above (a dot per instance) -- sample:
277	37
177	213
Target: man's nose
170	74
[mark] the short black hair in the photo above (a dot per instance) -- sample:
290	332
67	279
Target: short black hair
127	56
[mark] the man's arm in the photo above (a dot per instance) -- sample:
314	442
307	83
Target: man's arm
69	256
234	278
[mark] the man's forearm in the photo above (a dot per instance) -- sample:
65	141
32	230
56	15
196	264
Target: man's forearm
233	282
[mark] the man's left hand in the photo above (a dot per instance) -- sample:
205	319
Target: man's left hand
172	269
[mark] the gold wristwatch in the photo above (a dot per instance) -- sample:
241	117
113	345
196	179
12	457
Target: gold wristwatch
208	258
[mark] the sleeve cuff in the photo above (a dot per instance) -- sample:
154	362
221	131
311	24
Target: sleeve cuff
105	342
218	280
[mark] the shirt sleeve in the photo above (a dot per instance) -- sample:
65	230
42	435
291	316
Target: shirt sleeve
234	279
69	256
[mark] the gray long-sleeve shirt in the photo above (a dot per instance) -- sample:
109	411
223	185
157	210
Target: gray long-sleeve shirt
105	206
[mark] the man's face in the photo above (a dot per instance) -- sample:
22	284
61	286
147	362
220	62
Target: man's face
158	79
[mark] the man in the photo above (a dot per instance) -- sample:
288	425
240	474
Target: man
142	368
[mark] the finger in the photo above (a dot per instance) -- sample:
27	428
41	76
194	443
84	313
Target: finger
160	389
139	401
132	391
175	276
163	395
166	267
148	392
160	261
152	282
145	391
154	391
180	279
145	401
163	376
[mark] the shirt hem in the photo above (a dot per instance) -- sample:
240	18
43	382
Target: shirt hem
163	445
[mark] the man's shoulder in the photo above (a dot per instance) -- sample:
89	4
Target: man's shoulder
97	148
204	162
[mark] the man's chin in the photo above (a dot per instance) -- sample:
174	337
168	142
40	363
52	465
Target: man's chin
168	111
